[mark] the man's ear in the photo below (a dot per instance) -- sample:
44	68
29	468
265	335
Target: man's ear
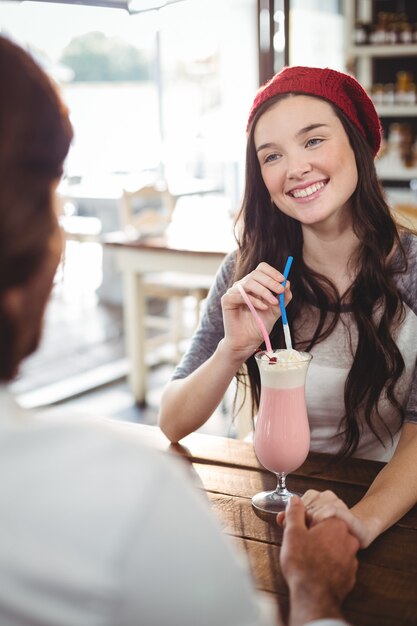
12	302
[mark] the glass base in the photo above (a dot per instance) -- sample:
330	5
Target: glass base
272	501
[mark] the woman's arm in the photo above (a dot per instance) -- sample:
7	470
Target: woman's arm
394	490
187	403
391	495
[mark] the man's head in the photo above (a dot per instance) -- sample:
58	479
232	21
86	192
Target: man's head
35	136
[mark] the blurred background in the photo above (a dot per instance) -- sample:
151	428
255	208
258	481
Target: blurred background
159	94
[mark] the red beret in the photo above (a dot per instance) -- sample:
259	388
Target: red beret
340	89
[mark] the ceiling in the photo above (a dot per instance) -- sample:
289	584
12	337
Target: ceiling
132	6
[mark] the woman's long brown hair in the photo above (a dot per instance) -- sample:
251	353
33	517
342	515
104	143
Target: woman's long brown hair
35	134
267	234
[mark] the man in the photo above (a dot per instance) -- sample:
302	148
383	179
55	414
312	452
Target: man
317	565
95	528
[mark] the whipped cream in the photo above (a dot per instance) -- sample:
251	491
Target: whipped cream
284	356
283	369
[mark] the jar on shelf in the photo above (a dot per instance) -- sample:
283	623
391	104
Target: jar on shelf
407	137
414	157
404	79
377	94
378	32
391	34
400	96
401	140
392	159
393	28
360	33
411	94
405	33
388	94
394	135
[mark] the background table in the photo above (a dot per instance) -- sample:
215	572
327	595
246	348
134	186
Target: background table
385	593
137	258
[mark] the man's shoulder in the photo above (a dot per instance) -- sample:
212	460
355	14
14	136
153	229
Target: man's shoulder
98	441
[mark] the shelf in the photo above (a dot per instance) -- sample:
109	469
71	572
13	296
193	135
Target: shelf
397	110
375	63
392	50
387	173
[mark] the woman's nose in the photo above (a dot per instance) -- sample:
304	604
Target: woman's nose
297	168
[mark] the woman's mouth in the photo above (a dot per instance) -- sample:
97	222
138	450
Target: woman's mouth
307	192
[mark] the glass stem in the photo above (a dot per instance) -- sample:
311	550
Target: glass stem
281	486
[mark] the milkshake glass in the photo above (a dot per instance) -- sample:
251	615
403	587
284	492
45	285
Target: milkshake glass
282	432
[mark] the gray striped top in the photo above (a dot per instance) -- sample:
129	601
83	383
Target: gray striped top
331	363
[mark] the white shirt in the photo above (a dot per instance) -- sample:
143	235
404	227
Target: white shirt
97	529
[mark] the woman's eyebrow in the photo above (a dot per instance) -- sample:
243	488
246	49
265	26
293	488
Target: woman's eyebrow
302	131
308	128
265	145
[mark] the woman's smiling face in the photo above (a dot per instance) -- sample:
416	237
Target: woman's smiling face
306	160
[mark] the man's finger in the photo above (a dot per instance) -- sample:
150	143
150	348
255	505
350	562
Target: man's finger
295	513
281	518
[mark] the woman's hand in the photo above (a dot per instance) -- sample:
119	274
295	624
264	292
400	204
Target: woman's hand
326	504
263	286
321	505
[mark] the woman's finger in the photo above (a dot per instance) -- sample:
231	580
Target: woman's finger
309	496
253	288
234	300
333	509
270	271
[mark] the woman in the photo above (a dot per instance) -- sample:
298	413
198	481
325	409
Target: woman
312	192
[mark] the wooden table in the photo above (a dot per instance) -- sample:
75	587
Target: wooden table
137	258
386	589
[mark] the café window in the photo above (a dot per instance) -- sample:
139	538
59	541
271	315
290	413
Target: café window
317	33
164	92
301	32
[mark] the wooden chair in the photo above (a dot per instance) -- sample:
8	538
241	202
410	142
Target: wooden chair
148	211
76	228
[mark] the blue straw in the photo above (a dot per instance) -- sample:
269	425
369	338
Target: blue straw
281	295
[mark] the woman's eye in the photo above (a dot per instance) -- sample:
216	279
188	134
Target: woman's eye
271	157
315	141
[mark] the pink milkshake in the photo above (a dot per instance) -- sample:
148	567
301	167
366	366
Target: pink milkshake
282	436
282	433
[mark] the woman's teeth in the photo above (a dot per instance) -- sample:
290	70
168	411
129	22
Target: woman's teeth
308	191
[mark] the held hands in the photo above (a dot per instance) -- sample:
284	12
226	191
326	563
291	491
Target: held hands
263	285
320	506
319	564
326	504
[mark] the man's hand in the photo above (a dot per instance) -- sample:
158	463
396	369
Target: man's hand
318	563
